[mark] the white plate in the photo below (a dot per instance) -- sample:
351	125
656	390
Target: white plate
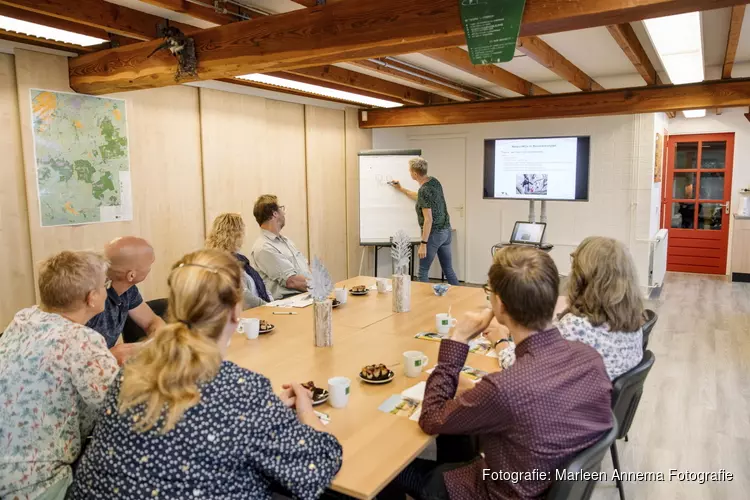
321	401
393	375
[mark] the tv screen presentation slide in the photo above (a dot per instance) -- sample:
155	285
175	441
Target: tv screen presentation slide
552	168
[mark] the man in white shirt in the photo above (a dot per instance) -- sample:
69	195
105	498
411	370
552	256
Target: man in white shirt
283	268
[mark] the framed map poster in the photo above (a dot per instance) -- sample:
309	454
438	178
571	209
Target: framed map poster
81	158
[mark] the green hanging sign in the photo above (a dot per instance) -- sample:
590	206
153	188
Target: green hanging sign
491	28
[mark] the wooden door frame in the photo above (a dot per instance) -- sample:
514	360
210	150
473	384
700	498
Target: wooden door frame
668	168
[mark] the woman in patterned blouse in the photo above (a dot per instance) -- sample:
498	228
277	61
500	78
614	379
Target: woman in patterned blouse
604	304
182	423
54	375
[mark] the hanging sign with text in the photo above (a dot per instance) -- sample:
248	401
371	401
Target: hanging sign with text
491	28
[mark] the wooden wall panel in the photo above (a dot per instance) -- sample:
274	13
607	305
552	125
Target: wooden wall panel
16	273
253	146
164	133
357	140
326	187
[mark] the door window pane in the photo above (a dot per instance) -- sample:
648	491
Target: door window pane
712	186
713	154
709	215
683	186
683	215
686	155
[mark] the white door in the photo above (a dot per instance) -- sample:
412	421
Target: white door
446	160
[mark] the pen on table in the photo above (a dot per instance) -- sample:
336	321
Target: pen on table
285	313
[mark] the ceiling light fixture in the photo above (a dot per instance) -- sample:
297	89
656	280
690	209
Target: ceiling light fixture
319	90
41	31
679	43
694	113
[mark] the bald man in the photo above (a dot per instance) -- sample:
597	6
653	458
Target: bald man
130	262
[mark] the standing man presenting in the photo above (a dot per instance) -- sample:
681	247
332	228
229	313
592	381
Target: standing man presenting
432	214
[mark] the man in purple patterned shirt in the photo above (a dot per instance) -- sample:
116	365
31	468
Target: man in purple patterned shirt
531	418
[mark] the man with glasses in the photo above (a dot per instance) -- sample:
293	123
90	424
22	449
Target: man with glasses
283	268
130	260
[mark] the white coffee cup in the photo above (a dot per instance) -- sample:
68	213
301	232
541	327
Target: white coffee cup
250	327
338	388
414	363
341	295
382	285
444	323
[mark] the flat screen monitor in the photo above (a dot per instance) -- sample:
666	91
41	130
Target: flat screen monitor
546	168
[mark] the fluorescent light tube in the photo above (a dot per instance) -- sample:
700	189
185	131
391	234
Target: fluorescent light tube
694	113
41	31
319	90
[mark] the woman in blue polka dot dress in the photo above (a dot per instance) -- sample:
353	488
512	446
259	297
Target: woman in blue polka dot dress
180	422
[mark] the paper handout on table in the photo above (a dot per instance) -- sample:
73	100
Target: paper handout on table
302	300
324	418
474	374
479	345
406	404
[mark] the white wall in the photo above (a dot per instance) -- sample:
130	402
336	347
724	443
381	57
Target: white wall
731	120
621	186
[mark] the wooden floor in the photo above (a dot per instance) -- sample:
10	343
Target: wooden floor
695	411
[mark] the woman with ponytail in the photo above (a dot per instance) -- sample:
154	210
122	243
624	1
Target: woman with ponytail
604	304
180	422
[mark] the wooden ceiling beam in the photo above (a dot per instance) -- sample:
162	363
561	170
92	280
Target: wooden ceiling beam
357	82
459	59
540	51
99	14
724	93
418	76
735	27
628	41
344	31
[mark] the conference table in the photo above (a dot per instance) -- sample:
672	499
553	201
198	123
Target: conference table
377	445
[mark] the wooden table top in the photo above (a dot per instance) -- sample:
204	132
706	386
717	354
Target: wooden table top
377	446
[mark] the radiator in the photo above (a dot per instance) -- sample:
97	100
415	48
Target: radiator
658	259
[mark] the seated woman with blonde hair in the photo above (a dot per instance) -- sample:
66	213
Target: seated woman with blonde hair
54	375
228	233
181	422
604	305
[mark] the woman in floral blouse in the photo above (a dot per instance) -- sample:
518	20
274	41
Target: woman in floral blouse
182	423
604	304
54	374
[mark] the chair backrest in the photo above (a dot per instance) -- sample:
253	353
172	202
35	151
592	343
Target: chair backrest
589	460
131	332
627	390
651	319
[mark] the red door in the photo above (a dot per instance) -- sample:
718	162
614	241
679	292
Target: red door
696	202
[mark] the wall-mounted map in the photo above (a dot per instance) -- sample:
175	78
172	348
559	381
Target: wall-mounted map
82	160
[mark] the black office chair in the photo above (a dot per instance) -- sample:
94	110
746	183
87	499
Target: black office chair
589	460
131	332
627	390
651	319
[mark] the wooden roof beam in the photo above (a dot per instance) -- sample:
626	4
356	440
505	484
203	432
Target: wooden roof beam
735	27
723	93
540	51
459	59
628	41
99	14
52	22
344	31
418	76
358	82
12	36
